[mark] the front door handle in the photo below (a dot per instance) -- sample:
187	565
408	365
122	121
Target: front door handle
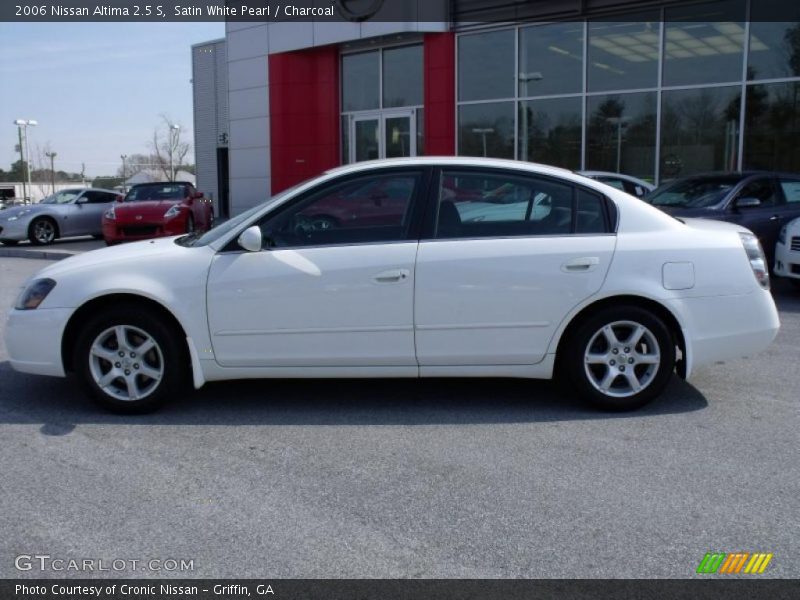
392	276
774	217
580	265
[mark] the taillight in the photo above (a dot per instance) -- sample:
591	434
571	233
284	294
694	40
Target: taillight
758	261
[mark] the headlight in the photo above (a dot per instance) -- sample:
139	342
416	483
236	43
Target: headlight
110	214
782	235
174	211
33	295
755	254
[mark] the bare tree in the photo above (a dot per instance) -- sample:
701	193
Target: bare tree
168	148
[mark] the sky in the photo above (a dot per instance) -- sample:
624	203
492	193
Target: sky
96	89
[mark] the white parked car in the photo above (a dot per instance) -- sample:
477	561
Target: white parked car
627	183
336	278
787	252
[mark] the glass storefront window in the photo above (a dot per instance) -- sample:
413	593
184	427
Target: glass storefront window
486	65
621	134
402	76
550	131
772	127
486	130
774	45
623	55
551	59
699	130
704	43
360	81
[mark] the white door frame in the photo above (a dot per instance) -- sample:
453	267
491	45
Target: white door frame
381	116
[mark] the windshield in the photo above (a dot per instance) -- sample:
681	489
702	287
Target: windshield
63	197
194	239
698	192
157	191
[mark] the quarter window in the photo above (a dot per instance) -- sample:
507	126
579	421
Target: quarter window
364	210
475	204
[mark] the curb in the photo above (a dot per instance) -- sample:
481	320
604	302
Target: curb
38	254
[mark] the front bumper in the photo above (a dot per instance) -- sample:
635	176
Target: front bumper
787	261
33	339
116	231
14	230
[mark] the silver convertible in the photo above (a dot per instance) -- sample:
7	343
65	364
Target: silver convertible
69	212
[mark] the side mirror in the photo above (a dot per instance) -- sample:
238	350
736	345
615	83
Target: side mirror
748	202
250	239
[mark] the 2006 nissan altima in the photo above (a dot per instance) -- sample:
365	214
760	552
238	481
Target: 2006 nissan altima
445	267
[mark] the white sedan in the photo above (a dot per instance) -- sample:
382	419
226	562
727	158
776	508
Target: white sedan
339	277
787	252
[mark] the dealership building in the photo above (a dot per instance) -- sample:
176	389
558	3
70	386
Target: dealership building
653	89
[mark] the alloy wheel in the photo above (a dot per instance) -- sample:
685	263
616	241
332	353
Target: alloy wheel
622	359
126	363
44	231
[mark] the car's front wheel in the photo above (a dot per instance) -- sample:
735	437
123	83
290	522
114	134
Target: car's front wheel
130	360
43	231
620	358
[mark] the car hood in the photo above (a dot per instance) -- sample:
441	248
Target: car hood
21	210
164	248
145	207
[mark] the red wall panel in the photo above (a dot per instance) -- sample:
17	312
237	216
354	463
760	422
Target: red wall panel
304	114
440	94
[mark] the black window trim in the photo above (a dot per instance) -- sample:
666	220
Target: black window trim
422	172
428	232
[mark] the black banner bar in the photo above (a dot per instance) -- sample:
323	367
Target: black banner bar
332	11
366	589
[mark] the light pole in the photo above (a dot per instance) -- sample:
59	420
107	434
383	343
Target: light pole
124	157
527	78
22	126
52	156
173	130
620	122
482	131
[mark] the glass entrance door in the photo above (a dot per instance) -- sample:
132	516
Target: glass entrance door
391	134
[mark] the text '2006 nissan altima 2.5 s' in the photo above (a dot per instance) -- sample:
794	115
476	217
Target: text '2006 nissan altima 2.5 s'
427	267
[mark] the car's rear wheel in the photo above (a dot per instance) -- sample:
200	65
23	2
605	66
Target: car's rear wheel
130	360
620	358
42	231
9	242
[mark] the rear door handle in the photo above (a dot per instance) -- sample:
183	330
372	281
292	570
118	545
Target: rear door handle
392	276
581	265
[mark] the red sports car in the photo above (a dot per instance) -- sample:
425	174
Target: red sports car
157	210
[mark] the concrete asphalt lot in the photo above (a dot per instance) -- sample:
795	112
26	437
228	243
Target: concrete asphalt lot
436	478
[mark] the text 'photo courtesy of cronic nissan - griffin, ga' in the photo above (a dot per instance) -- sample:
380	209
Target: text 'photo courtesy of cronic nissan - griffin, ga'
421	267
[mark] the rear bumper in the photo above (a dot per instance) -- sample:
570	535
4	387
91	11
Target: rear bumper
787	262
33	340
726	327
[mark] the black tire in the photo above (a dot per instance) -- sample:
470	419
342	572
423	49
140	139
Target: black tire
111	243
189	224
588	368
37	229
9	242
168	356
98	236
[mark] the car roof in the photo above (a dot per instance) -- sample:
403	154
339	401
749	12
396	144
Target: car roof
452	161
